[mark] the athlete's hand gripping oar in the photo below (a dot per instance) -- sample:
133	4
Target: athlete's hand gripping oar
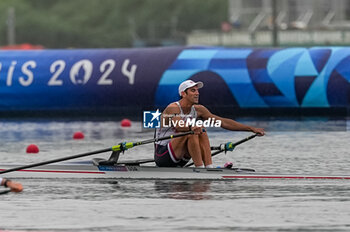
12	186
227	147
120	147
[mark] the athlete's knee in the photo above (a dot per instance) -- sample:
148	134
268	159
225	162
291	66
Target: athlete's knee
193	138
181	141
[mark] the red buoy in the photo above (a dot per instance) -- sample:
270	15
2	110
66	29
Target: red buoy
78	135
125	123
32	148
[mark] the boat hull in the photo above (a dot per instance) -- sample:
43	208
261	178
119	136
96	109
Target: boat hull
148	172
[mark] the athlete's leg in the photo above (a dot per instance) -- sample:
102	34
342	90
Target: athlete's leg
205	148
179	146
194	150
188	145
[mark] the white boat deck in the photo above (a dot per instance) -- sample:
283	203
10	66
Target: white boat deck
149	172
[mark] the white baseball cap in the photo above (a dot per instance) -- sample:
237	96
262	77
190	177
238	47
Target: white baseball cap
188	84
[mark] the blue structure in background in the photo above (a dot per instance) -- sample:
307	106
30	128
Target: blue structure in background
148	78
263	78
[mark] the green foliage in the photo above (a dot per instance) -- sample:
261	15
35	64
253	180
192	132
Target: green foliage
108	23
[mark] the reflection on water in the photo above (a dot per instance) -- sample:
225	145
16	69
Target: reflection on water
135	205
185	190
105	189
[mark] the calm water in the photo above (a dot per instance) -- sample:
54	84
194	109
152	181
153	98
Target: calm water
308	146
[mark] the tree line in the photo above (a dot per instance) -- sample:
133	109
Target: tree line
108	23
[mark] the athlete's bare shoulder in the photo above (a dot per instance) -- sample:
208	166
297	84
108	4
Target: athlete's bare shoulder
172	108
200	108
202	111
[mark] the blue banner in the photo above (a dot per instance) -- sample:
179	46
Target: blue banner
148	78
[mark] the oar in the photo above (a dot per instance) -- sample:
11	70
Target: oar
230	146
5	191
119	147
227	147
224	147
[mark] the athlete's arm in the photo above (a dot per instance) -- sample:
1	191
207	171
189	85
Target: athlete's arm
227	123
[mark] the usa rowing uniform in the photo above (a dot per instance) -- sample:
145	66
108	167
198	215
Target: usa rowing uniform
164	155
167	131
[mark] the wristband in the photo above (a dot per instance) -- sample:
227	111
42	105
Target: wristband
5	183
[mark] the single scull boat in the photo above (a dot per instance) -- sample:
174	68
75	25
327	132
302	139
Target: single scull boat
129	170
135	169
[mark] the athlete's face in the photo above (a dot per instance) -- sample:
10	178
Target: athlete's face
192	94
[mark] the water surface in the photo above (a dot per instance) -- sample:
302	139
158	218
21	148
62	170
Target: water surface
298	147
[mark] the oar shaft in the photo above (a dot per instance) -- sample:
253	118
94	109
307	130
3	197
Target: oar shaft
236	144
244	140
114	148
130	145
5	191
56	160
164	138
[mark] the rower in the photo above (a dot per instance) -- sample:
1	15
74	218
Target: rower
14	186
177	151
